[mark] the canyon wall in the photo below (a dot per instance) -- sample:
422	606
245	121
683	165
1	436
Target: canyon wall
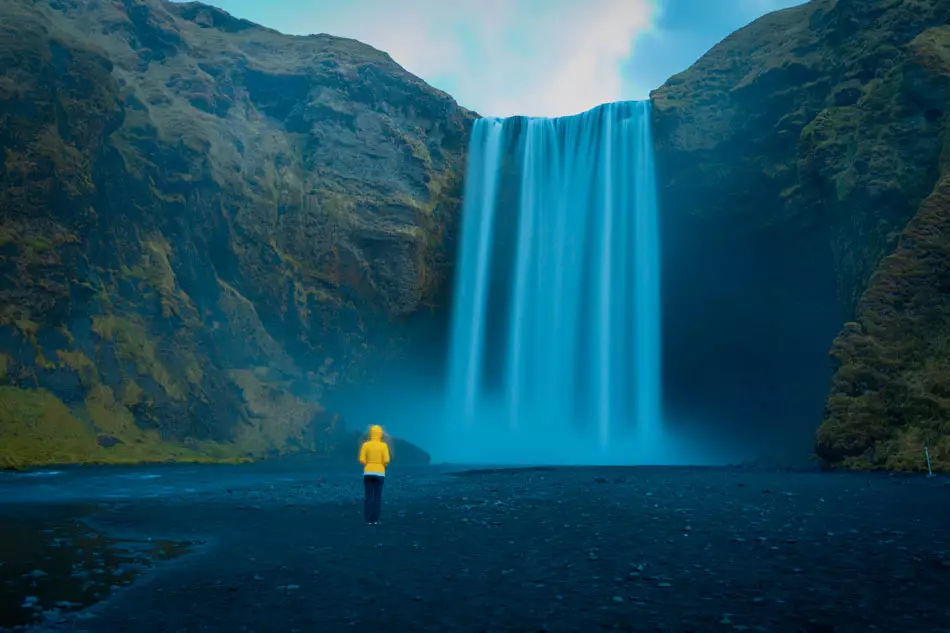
204	225
803	168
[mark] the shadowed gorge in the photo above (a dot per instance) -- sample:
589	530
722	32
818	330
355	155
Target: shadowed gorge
800	171
221	243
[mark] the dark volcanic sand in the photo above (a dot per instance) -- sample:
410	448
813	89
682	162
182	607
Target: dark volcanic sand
567	549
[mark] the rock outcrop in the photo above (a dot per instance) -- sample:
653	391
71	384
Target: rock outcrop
203	225
816	139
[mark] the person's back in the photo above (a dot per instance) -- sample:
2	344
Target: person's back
374	455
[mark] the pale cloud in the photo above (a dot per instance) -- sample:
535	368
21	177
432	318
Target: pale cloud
534	57
584	48
497	57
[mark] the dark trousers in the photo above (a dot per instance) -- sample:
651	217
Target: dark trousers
374	497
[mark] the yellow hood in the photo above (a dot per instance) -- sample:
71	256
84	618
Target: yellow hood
374	454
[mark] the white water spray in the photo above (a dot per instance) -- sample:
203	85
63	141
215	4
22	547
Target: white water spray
556	321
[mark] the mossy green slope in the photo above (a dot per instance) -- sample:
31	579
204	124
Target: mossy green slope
203	225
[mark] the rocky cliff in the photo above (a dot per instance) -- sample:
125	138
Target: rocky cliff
204	224
816	142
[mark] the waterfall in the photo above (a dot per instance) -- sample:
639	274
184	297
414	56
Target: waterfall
556	315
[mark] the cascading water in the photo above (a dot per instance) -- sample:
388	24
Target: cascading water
556	321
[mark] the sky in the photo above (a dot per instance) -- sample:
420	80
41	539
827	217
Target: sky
524	57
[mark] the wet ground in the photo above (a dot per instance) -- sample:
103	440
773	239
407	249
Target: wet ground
283	548
54	564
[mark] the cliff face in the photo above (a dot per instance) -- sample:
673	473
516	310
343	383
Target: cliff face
203	225
822	132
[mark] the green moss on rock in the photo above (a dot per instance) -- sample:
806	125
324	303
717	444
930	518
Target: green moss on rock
37	428
891	394
133	343
824	127
182	213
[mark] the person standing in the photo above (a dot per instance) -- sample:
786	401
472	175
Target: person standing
374	455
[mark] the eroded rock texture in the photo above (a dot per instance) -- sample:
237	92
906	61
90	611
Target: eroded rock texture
807	157
203	224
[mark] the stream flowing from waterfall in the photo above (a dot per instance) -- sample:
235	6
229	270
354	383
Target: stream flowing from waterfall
556	316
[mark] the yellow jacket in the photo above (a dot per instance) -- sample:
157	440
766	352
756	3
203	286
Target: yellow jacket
374	453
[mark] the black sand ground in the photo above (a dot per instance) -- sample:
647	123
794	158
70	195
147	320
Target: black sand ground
583	549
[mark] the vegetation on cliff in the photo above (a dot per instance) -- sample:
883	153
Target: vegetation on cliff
830	119
202	224
890	397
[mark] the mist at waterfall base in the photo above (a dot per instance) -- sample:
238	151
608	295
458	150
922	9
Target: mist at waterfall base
553	350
